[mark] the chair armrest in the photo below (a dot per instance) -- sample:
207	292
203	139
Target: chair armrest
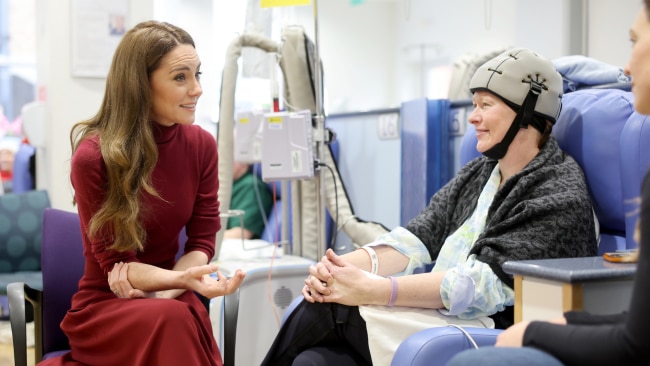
436	346
18	293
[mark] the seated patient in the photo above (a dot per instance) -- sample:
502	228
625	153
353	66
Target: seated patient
524	199
251	195
580	338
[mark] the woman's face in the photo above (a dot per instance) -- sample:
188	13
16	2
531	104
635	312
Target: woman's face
638	67
176	87
491	117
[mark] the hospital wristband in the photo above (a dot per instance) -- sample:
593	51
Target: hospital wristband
374	261
393	291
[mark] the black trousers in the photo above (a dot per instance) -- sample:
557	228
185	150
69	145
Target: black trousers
321	334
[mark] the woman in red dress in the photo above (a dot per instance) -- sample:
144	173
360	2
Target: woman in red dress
141	172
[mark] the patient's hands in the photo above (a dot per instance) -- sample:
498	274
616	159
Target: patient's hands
334	279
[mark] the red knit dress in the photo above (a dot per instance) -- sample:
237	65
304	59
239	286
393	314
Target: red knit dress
105	330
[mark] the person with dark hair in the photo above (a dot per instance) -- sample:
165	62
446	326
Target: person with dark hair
580	338
252	196
141	172
524	199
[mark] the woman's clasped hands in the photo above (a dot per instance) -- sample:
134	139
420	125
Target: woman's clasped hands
334	279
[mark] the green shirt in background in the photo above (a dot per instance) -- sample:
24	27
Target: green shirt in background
245	198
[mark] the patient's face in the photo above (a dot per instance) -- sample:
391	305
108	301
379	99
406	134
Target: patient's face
491	117
638	67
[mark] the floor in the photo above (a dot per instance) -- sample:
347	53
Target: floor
7	355
6	349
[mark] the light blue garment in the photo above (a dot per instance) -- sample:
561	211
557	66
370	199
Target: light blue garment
470	288
579	71
408	244
504	356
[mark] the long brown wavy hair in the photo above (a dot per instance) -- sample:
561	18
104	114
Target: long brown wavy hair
123	124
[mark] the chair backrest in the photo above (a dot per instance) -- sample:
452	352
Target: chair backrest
601	131
468	146
62	261
21	220
635	158
589	129
62	265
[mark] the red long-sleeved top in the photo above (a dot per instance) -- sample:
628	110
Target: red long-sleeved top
185	176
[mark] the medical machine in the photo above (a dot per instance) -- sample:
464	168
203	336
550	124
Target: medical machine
248	136
287	148
268	289
296	59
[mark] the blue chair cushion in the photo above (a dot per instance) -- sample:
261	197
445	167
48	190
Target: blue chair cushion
21	223
436	346
635	161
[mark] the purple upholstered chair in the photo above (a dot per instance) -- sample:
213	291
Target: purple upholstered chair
62	265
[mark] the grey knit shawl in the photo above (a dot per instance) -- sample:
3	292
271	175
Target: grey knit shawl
544	211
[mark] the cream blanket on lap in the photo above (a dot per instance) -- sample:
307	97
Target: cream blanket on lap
389	326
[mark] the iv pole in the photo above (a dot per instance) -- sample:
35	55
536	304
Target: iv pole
320	139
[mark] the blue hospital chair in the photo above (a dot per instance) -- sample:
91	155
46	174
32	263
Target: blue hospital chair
600	129
24	169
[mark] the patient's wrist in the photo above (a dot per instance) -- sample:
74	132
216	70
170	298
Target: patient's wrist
374	260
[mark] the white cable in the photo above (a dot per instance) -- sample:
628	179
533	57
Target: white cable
469	337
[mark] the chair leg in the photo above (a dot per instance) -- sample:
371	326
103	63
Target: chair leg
16	293
231	312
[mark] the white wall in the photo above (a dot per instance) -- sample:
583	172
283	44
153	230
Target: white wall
609	26
354	39
68	100
357	47
196	17
376	54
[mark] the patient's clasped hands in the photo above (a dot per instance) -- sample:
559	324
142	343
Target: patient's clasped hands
334	279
